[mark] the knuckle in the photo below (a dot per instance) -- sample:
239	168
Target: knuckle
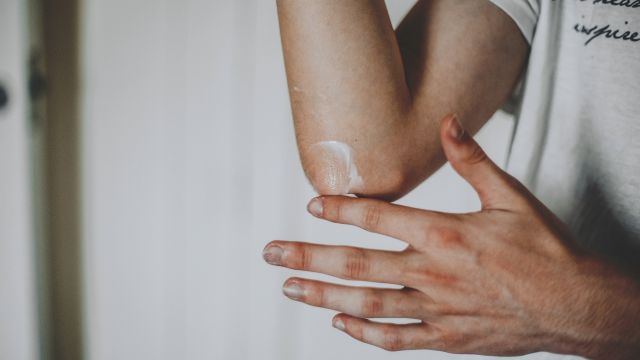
318	296
409	304
429	309
357	331
427	276
372	305
447	340
392	340
445	237
298	256
332	209
475	156
371	217
356	264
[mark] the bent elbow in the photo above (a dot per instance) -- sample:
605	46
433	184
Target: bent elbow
332	169
384	184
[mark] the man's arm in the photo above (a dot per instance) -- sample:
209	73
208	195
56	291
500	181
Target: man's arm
506	280
354	81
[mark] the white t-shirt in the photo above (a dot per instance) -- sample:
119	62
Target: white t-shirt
576	142
577	139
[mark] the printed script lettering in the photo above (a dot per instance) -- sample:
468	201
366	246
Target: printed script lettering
609	31
625	3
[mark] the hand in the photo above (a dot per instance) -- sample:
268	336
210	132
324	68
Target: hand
506	280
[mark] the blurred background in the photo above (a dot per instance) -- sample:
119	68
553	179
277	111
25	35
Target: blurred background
146	157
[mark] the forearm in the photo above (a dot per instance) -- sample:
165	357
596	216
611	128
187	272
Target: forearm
351	81
346	83
604	317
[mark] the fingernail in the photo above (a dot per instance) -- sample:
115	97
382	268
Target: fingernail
272	254
315	207
293	291
338	324
455	128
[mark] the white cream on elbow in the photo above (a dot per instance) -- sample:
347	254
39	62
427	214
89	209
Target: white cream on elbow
339	173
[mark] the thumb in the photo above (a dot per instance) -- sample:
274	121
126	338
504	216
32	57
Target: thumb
494	187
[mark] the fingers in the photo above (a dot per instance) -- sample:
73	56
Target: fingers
344	262
400	222
494	187
391	337
363	302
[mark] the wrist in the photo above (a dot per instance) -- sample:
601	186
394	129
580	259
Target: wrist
601	316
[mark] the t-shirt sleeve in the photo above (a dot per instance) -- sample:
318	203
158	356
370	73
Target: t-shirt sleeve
523	12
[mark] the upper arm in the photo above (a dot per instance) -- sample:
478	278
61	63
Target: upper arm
351	80
462	57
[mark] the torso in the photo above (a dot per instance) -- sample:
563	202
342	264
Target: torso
577	143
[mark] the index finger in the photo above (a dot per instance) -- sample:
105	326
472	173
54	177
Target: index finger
400	222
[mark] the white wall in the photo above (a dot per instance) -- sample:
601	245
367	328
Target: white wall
190	167
18	335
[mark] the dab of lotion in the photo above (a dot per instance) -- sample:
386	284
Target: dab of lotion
339	172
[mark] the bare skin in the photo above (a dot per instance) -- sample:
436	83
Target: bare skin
353	80
506	280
